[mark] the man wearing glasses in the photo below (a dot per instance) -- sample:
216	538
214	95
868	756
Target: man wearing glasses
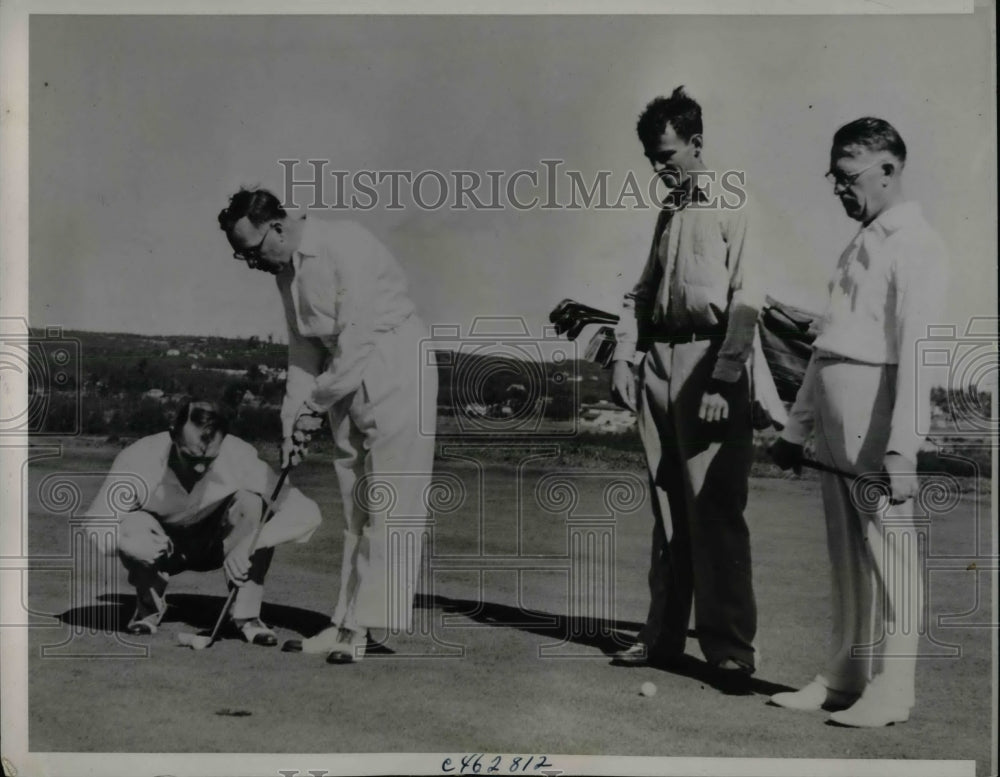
354	357
862	400
693	312
198	496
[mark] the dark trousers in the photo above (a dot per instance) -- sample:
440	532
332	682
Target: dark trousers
201	545
698	475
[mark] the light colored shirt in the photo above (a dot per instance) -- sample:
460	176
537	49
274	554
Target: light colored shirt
142	470
889	286
345	290
701	276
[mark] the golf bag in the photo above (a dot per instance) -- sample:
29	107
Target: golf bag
786	336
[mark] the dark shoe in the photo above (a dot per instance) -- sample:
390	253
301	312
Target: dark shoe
141	628
733	676
256	632
637	655
292	646
640	655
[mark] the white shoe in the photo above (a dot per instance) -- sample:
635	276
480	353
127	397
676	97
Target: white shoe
815	696
323	642
255	631
870	714
350	649
872	710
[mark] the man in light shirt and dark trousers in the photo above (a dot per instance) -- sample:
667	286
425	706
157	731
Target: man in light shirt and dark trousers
863	402
354	357
693	312
199	494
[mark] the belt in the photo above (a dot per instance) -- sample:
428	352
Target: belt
830	357
679	338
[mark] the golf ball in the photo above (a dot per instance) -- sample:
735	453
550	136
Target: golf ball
648	689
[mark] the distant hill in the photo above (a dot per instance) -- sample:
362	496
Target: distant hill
118	383
124	386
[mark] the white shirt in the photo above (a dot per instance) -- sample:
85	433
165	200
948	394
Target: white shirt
346	289
889	286
140	479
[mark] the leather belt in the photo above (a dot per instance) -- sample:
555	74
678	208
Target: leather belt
685	337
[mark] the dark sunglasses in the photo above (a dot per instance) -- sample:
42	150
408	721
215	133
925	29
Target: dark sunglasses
252	254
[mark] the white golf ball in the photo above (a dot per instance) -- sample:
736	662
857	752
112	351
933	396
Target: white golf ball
648	689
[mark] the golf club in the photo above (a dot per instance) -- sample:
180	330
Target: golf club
820	467
878	480
570	317
200	641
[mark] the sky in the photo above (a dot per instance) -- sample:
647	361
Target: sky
141	127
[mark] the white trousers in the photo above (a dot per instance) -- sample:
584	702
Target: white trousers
874	552
384	435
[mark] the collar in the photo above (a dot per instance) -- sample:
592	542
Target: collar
309	240
173	458
895	218
678	199
309	243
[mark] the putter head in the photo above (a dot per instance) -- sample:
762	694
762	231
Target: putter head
194	641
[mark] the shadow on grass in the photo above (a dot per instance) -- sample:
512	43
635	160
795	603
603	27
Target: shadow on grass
200	611
729	683
601	634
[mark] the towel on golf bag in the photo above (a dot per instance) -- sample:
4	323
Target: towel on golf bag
786	336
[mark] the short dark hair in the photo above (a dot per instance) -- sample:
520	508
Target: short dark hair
679	111
874	134
258	205
209	413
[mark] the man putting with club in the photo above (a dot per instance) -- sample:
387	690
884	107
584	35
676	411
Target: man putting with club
354	357
862	399
201	496
694	313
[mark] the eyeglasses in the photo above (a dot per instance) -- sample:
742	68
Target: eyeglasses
841	181
252	254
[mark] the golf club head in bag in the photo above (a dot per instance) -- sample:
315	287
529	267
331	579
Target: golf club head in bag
570	317
601	348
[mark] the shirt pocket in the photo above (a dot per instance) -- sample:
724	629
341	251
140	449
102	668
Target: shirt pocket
702	256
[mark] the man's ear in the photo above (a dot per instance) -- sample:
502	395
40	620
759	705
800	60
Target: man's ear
697	141
890	169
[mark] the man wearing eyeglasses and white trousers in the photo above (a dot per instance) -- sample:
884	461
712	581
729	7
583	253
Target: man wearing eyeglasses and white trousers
864	402
354	355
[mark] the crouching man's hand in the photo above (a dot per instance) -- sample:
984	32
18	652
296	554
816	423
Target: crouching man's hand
237	563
